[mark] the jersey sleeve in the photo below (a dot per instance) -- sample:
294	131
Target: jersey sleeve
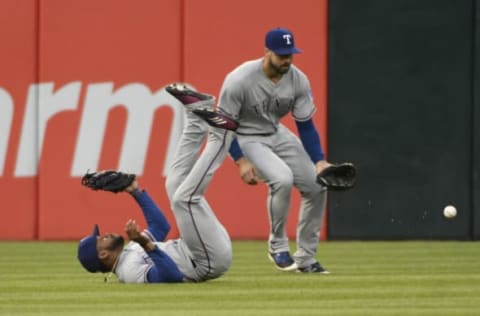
231	98
163	268
310	140
304	107
235	151
158	226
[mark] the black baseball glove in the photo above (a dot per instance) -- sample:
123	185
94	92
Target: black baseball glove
338	177
216	118
109	180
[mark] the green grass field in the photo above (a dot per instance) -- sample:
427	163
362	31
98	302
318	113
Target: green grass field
368	278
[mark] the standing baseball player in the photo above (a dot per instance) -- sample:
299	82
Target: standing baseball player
203	251
257	94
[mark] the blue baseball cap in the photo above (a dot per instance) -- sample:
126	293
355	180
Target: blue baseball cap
87	252
281	42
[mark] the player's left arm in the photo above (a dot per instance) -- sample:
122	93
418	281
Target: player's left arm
164	268
303	111
311	142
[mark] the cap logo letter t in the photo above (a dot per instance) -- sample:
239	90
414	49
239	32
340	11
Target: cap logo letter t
287	38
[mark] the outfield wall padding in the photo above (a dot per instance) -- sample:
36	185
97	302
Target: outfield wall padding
81	88
400	106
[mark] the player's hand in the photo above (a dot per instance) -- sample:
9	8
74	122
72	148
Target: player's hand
247	170
320	165
132	230
134	234
132	187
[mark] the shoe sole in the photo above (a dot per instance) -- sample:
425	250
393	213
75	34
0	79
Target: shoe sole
184	92
290	268
216	118
323	272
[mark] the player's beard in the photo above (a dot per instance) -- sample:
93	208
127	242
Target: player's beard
117	242
280	70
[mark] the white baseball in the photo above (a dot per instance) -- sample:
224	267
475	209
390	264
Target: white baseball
449	211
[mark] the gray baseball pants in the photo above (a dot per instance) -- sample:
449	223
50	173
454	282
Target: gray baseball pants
188	177
282	162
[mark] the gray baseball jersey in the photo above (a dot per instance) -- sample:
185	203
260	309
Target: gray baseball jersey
134	263
258	104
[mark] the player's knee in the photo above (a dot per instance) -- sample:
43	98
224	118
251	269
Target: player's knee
314	190
197	127
283	182
182	200
227	263
224	260
178	200
171	184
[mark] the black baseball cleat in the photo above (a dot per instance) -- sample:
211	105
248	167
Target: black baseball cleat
186	95
283	261
313	268
216	118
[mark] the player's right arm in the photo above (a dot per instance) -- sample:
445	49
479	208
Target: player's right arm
230	102
231	97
